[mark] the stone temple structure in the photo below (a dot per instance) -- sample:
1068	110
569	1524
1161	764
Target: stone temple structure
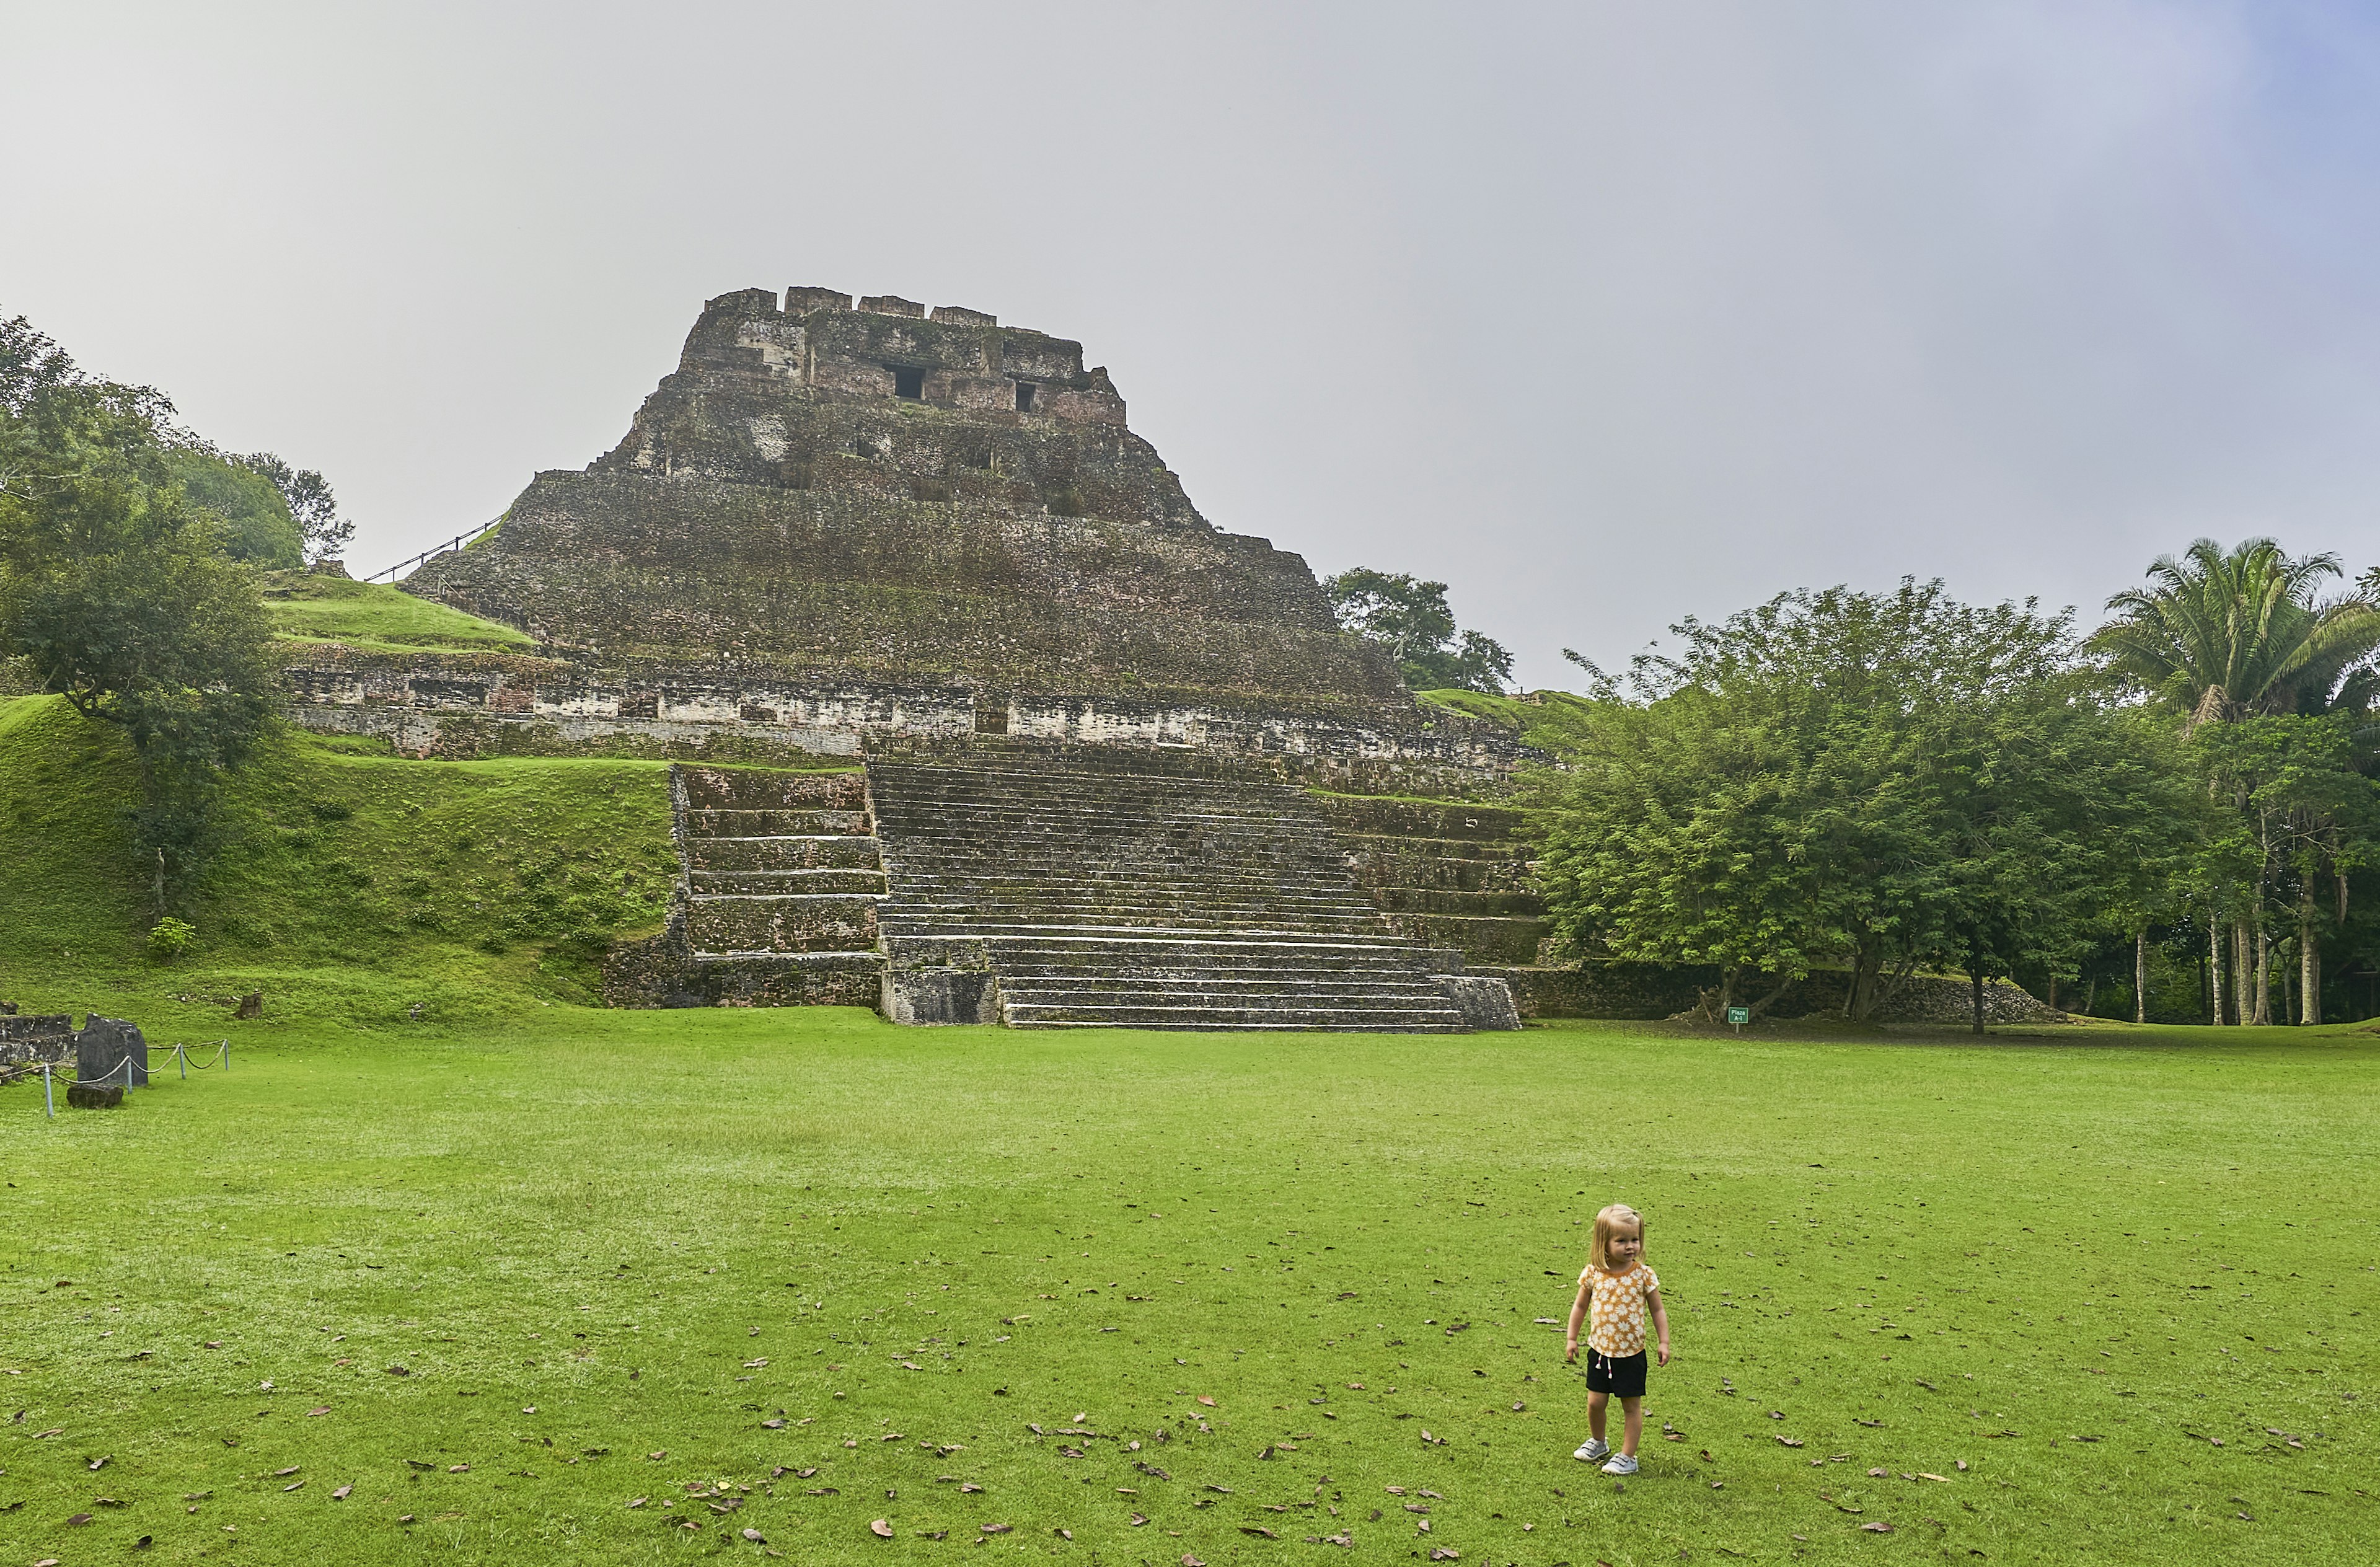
1101	762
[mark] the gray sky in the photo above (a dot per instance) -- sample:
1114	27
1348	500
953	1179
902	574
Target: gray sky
1604	314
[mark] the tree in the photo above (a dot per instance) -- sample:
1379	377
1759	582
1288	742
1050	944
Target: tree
254	520
1883	781
2224	638
2220	635
1410	619
323	532
120	594
2302	814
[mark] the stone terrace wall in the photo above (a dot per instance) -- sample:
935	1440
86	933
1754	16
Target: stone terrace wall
472	705
35	1037
879	586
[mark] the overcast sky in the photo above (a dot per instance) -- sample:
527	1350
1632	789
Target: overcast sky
1604	314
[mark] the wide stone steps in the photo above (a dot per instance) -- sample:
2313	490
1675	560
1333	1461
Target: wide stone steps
778	882
804	852
1115	899
1216	1016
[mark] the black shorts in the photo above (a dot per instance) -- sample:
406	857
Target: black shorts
1622	1377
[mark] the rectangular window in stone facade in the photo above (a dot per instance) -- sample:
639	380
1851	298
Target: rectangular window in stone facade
908	382
1024	396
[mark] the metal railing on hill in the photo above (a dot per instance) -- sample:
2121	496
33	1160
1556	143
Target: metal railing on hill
460	541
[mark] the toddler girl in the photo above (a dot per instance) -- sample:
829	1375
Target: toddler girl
1622	1291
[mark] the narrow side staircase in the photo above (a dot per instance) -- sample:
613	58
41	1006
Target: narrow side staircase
778	904
1045	887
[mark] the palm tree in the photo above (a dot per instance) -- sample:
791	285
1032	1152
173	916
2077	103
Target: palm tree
2226	636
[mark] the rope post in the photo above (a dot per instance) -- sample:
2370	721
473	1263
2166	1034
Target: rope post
182	1055
49	1100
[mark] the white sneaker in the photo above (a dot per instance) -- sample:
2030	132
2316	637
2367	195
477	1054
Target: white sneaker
1621	1464
1594	1452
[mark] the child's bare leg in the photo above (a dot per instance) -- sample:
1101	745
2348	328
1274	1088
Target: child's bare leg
1594	1408
1631	1425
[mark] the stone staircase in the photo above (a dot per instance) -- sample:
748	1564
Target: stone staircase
1067	887
1450	873
782	876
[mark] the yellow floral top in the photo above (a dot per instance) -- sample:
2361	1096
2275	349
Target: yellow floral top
1617	1313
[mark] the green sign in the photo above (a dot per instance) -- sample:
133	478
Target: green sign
1739	1016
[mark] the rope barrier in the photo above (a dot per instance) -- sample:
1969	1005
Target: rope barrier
220	1051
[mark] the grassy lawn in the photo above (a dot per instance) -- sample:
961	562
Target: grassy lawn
822	1271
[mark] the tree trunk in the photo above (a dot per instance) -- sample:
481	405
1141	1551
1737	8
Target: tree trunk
2242	973
2051	1001
1867	958
2309	964
2264	976
2089	995
2288	994
2214	972
2140	976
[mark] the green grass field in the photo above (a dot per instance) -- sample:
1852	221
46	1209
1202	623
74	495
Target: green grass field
2112	1286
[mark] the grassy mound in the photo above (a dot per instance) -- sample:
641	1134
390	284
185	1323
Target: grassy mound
557	1290
379	617
348	884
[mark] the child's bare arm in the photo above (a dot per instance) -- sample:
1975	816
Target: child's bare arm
1660	1322
1577	1320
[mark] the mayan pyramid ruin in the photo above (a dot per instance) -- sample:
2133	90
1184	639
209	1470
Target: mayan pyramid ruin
1102	763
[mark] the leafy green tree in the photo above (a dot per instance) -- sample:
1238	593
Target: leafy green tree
119	593
253	520
1410	617
322	532
1883	780
2302	813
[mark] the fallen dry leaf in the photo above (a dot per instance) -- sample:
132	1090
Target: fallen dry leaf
998	1528
326	1409
343	1493
755	1536
1260	1531
1875	1529
277	1473
881	1529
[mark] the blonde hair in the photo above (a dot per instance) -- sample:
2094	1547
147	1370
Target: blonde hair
1618	1216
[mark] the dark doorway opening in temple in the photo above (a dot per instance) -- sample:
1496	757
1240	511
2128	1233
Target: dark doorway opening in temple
908	382
1024	396
990	712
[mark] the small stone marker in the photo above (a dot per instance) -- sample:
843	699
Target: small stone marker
251	1005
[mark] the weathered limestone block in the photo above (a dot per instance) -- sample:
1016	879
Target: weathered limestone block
36	1037
1486	1001
930	996
93	1096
